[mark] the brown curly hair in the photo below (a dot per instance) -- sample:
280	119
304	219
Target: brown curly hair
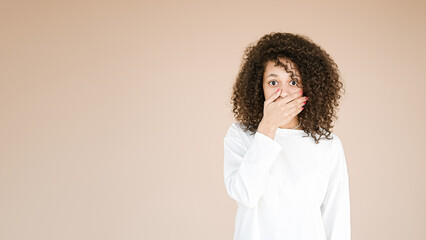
319	73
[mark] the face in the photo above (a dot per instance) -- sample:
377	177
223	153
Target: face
277	77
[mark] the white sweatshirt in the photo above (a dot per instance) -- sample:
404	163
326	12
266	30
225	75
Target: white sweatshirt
288	187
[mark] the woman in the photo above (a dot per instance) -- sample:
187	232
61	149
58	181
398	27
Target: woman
283	166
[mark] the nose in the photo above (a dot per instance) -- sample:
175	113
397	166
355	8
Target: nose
286	92
283	94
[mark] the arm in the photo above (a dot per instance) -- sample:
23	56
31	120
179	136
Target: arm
335	208
246	170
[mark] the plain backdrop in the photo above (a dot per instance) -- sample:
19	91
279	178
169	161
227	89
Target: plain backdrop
113	113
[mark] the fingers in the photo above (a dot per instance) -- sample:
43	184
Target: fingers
285	108
295	100
292	112
294	107
273	97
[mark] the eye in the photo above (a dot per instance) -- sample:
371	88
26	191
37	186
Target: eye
295	82
273	81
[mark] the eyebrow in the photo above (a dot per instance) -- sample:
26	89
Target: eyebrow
272	75
275	75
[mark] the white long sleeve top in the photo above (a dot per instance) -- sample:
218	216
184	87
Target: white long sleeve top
288	187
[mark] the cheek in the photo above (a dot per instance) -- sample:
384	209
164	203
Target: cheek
267	91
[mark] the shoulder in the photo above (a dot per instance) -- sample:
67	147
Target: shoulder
233	131
332	147
238	134
333	142
238	129
336	142
337	151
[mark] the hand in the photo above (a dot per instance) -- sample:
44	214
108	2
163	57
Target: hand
279	111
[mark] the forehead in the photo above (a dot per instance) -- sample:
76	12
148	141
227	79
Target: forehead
283	67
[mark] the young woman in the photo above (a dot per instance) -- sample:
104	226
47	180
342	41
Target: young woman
283	166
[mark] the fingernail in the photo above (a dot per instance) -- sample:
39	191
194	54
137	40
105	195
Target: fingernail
277	90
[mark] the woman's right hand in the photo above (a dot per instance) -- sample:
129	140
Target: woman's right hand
279	111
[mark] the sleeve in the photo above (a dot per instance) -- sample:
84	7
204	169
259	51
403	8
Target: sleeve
246	170
335	207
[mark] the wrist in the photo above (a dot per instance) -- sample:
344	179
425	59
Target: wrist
267	129
267	126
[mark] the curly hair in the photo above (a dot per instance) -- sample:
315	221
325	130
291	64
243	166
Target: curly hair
320	79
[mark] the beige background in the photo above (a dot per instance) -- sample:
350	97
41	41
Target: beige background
113	113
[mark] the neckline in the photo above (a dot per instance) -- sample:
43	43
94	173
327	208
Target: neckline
288	131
